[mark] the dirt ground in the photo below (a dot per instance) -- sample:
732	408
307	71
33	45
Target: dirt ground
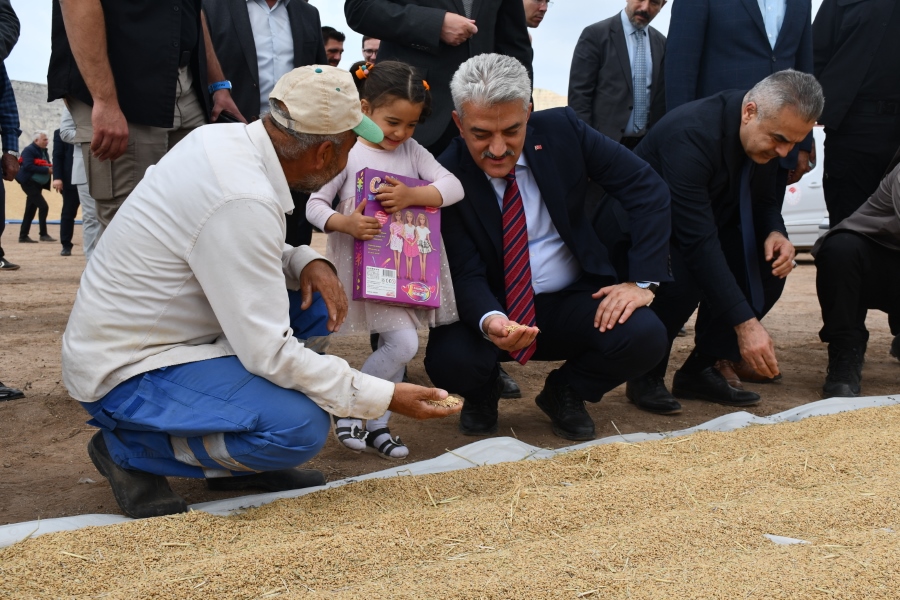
45	471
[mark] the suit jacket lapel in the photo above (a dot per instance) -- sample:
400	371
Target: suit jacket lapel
618	39
657	51
241	20
793	12
548	181
483	201
296	31
752	7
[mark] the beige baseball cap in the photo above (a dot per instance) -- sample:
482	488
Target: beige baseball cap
322	100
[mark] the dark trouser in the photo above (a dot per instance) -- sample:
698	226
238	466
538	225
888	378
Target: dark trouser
853	275
67	216
856	157
34	203
299	230
714	335
2	214
459	359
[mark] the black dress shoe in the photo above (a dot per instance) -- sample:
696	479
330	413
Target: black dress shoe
479	413
566	410
270	481
65	252
708	384
649	393
47	238
138	494
509	389
26	240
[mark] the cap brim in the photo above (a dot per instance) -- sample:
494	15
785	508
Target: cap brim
368	130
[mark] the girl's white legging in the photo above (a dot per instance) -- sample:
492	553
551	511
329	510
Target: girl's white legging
395	350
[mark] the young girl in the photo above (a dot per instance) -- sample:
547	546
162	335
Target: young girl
410	245
396	240
424	242
396	99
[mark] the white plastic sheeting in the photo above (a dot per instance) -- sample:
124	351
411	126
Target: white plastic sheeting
483	452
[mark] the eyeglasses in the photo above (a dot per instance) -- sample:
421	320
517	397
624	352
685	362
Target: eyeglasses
369	52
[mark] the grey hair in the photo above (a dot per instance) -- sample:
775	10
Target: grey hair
38	134
788	88
300	142
489	79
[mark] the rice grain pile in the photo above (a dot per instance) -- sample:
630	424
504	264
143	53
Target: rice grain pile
679	518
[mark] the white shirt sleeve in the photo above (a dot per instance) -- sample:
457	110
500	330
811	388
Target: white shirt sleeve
235	259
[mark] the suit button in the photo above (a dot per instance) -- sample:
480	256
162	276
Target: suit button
774	59
176	8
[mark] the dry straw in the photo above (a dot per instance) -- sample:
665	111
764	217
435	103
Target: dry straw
678	518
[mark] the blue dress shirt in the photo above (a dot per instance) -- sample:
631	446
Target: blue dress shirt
274	45
773	16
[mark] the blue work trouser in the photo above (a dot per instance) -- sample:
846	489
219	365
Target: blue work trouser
213	418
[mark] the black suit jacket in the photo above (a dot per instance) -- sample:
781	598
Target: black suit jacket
563	153
846	36
232	36
62	159
600	81
697	150
410	31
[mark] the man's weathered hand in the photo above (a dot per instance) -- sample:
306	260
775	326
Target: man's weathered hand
110	138
509	335
318	276
10	167
414	401
222	100
757	347
620	302
57	185
457	29
780	249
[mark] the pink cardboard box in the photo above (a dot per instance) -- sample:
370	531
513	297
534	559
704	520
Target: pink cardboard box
401	265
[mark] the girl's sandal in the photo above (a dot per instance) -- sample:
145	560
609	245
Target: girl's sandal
391	448
352	437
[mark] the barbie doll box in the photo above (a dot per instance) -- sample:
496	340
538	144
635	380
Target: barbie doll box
401	265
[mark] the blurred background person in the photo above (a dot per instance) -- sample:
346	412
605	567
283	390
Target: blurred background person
334	44
34	177
62	183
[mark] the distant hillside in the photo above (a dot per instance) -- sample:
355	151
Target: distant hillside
34	111
547	99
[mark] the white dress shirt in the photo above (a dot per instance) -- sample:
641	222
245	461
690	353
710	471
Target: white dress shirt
274	45
193	267
630	42
773	16
553	266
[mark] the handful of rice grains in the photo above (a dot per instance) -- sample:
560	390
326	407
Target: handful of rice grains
450	401
511	328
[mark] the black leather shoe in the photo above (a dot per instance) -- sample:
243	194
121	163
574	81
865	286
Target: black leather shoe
65	252
269	481
566	410
844	372
509	389
47	238
708	384
649	393
8	393
138	494
479	415
27	240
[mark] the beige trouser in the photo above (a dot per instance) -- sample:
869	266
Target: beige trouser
110	182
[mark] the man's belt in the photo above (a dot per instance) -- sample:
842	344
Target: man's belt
876	107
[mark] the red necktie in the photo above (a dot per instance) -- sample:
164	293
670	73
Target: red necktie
516	264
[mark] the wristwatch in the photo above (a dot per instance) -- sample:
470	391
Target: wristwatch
219	85
13	153
647	285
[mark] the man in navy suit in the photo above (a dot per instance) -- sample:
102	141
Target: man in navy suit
718	45
730	252
531	279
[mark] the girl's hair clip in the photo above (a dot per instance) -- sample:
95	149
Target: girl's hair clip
363	71
427	87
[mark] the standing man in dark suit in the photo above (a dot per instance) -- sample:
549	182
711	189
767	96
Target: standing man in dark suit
531	279
857	60
258	41
613	58
436	36
730	252
62	183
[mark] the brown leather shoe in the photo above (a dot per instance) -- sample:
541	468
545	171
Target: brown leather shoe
747	373
726	368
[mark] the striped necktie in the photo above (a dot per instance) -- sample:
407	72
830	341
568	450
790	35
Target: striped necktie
467	7
516	264
640	80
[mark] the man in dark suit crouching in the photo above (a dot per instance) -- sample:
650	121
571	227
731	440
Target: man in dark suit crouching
730	251
532	281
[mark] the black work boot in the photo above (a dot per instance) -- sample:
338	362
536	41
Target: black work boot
479	412
139	494
566	410
844	372
649	393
